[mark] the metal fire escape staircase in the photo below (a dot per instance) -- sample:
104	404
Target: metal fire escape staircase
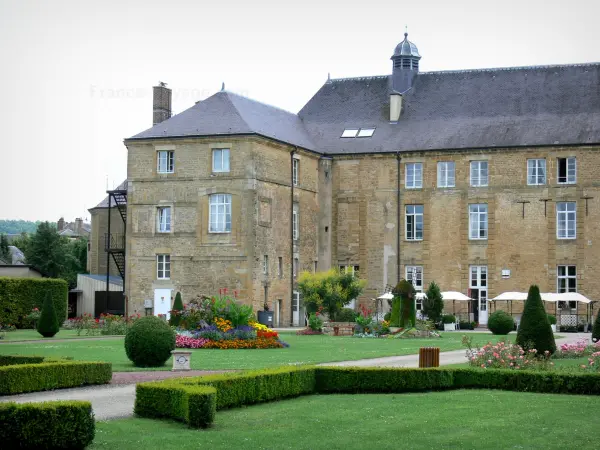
114	243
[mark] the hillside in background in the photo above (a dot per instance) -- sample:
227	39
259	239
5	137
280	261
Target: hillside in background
18	226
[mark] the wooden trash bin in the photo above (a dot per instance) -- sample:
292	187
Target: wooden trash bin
429	357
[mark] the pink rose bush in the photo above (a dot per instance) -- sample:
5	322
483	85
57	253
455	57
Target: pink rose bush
182	341
505	355
577	350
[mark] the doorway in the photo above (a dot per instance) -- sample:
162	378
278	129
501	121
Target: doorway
296	309
479	289
162	302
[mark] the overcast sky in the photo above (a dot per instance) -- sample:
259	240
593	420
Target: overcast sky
77	75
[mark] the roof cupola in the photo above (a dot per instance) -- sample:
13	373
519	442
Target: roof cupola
405	65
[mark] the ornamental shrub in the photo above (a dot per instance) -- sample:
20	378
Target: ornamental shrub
408	313
448	318
534	331
500	322
345	315
596	329
551	319
18	297
175	317
149	342
395	315
48	324
56	425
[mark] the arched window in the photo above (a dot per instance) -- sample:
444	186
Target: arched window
219	220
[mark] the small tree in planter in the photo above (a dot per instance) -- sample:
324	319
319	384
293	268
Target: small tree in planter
433	305
48	324
175	318
534	331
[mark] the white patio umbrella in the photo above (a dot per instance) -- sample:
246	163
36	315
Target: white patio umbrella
455	296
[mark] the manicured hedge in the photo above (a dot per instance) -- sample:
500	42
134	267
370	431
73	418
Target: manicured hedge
192	400
18	296
12	360
49	425
52	375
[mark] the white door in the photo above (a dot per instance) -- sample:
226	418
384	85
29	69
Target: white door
479	288
296	309
162	302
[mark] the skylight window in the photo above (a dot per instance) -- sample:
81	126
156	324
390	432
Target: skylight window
350	132
366	132
358	132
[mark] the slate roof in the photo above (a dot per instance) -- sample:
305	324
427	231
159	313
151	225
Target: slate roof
488	108
104	203
226	113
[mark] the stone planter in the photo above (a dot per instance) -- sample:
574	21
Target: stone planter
339	328
449	327
265	318
181	360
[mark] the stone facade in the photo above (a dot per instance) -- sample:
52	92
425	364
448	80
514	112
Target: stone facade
96	258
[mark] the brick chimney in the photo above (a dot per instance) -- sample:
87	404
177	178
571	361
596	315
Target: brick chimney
60	225
78	226
161	105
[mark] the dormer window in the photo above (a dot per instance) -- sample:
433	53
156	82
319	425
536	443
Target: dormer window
358	132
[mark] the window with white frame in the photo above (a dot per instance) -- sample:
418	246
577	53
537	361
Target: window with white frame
295	225
414	275
567	170
165	161
445	174
220	213
163	218
414	222
266	264
163	267
536	172
478	221
479	173
414	176
295	171
220	161
566	220
566	279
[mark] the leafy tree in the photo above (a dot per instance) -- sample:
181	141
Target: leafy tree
22	242
433	305
18	226
534	331
395	314
4	250
406	292
332	290
48	324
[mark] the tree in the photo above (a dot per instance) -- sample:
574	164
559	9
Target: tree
5	254
332	290
175	312
433	305
48	324
406	292
534	331
395	315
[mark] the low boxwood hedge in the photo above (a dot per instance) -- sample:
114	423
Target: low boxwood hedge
16	379
49	425
194	400
12	360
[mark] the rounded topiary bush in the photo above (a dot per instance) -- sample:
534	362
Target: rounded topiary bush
149	342
345	315
501	322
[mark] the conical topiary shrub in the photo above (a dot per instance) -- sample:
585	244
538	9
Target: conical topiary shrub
395	314
48	324
534	331
596	329
175	318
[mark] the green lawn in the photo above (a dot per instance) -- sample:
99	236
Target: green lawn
303	350
455	419
33	335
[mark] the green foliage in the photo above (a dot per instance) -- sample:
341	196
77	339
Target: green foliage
433	305
408	313
500	322
387	316
4	250
332	290
448	318
395	314
596	329
315	322
345	315
18	296
48	425
18	226
149	342
534	331
13	360
48	324
551	319
175	318
16	379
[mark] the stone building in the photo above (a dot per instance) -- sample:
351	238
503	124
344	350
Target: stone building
485	181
